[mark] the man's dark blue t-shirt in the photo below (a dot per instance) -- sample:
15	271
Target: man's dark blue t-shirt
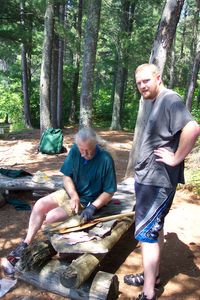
90	177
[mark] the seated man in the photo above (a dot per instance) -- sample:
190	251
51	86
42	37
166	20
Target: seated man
89	183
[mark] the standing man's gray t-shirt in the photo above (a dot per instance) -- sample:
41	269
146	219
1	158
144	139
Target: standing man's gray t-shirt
168	116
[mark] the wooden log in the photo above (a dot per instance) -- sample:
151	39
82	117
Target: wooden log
93	246
35	256
26	183
48	278
55	182
52	275
116	233
105	286
81	268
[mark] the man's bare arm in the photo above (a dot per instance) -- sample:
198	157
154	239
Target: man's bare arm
188	137
71	190
102	200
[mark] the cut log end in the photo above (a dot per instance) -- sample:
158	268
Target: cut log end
105	286
35	256
79	271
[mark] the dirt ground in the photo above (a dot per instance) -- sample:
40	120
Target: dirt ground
180	265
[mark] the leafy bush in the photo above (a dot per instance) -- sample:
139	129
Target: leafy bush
11	104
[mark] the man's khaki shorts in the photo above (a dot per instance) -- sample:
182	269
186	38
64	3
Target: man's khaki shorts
64	201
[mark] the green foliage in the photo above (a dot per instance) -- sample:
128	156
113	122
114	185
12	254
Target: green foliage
196	114
102	109
137	45
11	104
130	109
195	108
185	43
192	170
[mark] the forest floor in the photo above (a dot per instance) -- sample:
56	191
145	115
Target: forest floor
180	264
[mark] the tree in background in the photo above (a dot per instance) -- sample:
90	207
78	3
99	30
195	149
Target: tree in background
127	12
90	45
76	70
193	79
195	58
54	70
45	77
62	12
25	73
134	46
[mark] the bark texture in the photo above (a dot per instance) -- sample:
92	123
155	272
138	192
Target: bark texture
91	37
45	77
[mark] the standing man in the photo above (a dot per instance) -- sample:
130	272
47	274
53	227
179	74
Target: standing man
169	136
89	182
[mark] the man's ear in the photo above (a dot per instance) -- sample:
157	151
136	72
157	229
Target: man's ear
159	79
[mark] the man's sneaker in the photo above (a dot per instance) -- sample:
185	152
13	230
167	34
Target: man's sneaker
13	257
7	267
17	252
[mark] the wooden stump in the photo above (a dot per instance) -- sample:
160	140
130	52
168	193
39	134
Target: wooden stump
79	270
48	278
105	286
35	256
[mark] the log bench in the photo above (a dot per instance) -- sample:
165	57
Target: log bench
26	183
46	263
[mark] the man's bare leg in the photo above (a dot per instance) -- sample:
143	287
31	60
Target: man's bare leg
45	209
151	253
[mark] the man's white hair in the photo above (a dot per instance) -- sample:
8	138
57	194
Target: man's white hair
87	134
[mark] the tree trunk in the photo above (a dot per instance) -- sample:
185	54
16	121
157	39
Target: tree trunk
54	73
60	69
54	81
194	61
183	37
25	84
92	29
118	97
122	63
74	99
193	80
162	44
166	32
172	65
45	77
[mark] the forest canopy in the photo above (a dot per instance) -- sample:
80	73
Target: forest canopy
90	48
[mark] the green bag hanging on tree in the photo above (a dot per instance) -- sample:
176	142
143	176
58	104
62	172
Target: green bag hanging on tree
51	141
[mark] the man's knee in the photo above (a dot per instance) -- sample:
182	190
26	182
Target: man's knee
56	215
44	204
